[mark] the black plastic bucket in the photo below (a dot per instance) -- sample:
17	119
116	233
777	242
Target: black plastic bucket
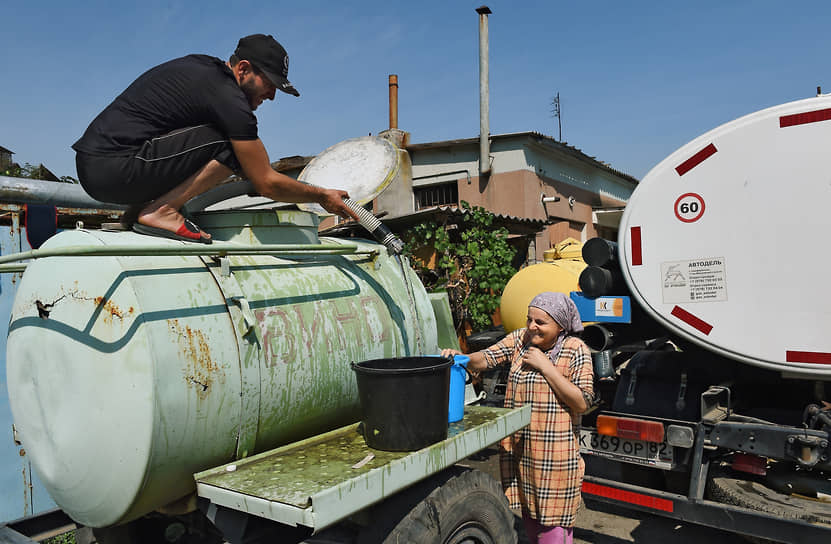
404	401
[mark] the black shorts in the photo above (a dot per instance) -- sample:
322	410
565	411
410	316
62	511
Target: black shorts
157	167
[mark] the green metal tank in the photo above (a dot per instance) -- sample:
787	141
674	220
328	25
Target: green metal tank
128	374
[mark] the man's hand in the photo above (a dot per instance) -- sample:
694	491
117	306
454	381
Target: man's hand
276	186
332	202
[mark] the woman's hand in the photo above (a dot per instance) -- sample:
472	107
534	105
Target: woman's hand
559	383
536	359
477	361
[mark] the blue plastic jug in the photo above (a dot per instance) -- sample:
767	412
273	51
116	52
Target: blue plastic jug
458	378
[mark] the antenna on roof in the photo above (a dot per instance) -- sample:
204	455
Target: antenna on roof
555	111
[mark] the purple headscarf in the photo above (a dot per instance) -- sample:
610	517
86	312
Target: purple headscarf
562	310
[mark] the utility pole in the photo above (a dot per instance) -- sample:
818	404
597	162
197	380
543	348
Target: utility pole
555	111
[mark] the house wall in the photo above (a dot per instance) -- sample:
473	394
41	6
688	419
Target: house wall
5	159
524	170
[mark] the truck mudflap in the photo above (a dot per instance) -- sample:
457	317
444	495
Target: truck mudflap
704	512
317	482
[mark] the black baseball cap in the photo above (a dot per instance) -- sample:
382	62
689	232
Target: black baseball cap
266	53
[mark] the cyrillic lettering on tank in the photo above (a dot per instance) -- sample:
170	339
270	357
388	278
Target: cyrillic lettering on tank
350	325
279	342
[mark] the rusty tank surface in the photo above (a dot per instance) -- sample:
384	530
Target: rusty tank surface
127	374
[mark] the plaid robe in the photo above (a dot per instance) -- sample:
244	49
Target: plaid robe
542	470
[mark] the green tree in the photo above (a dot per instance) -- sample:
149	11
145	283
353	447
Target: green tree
30	171
471	260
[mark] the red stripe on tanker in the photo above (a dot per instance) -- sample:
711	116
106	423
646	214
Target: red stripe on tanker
815	357
804	118
637	255
692	320
696	159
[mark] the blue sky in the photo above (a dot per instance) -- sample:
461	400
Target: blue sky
636	79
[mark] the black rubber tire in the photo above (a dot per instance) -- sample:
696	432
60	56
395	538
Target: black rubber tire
459	506
724	487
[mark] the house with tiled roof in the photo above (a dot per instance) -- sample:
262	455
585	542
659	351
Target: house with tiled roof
532	177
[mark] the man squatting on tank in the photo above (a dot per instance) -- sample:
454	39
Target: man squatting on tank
183	127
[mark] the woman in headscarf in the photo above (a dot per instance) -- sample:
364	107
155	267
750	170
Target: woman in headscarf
542	470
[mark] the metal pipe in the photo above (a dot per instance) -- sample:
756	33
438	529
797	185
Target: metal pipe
600	252
599	338
34	191
484	93
214	250
596	281
393	100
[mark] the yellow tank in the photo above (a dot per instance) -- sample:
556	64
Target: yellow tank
559	272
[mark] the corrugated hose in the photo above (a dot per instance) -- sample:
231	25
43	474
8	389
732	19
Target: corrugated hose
380	231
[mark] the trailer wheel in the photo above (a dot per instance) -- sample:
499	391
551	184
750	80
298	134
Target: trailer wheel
459	506
754	495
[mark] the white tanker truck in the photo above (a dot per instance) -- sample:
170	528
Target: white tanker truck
712	331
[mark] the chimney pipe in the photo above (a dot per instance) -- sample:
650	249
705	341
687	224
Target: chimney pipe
484	93
393	101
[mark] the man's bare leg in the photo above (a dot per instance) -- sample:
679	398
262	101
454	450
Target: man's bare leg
164	213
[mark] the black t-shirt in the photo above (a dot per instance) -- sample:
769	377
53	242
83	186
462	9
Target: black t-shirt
184	92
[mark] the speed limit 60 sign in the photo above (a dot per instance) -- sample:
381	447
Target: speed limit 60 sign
689	207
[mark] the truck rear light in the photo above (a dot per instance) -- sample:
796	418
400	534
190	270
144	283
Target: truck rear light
630	428
753	464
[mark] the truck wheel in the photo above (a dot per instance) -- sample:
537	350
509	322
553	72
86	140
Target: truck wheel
722	487
460	506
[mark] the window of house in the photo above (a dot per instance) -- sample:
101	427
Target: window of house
436	195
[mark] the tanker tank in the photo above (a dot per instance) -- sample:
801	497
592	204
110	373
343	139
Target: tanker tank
560	271
128	374
721	242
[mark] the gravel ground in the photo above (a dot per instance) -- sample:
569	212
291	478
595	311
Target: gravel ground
599	523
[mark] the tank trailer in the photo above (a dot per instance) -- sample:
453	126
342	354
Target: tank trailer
167	392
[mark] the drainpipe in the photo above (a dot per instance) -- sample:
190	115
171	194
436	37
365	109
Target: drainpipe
484	94
393	101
